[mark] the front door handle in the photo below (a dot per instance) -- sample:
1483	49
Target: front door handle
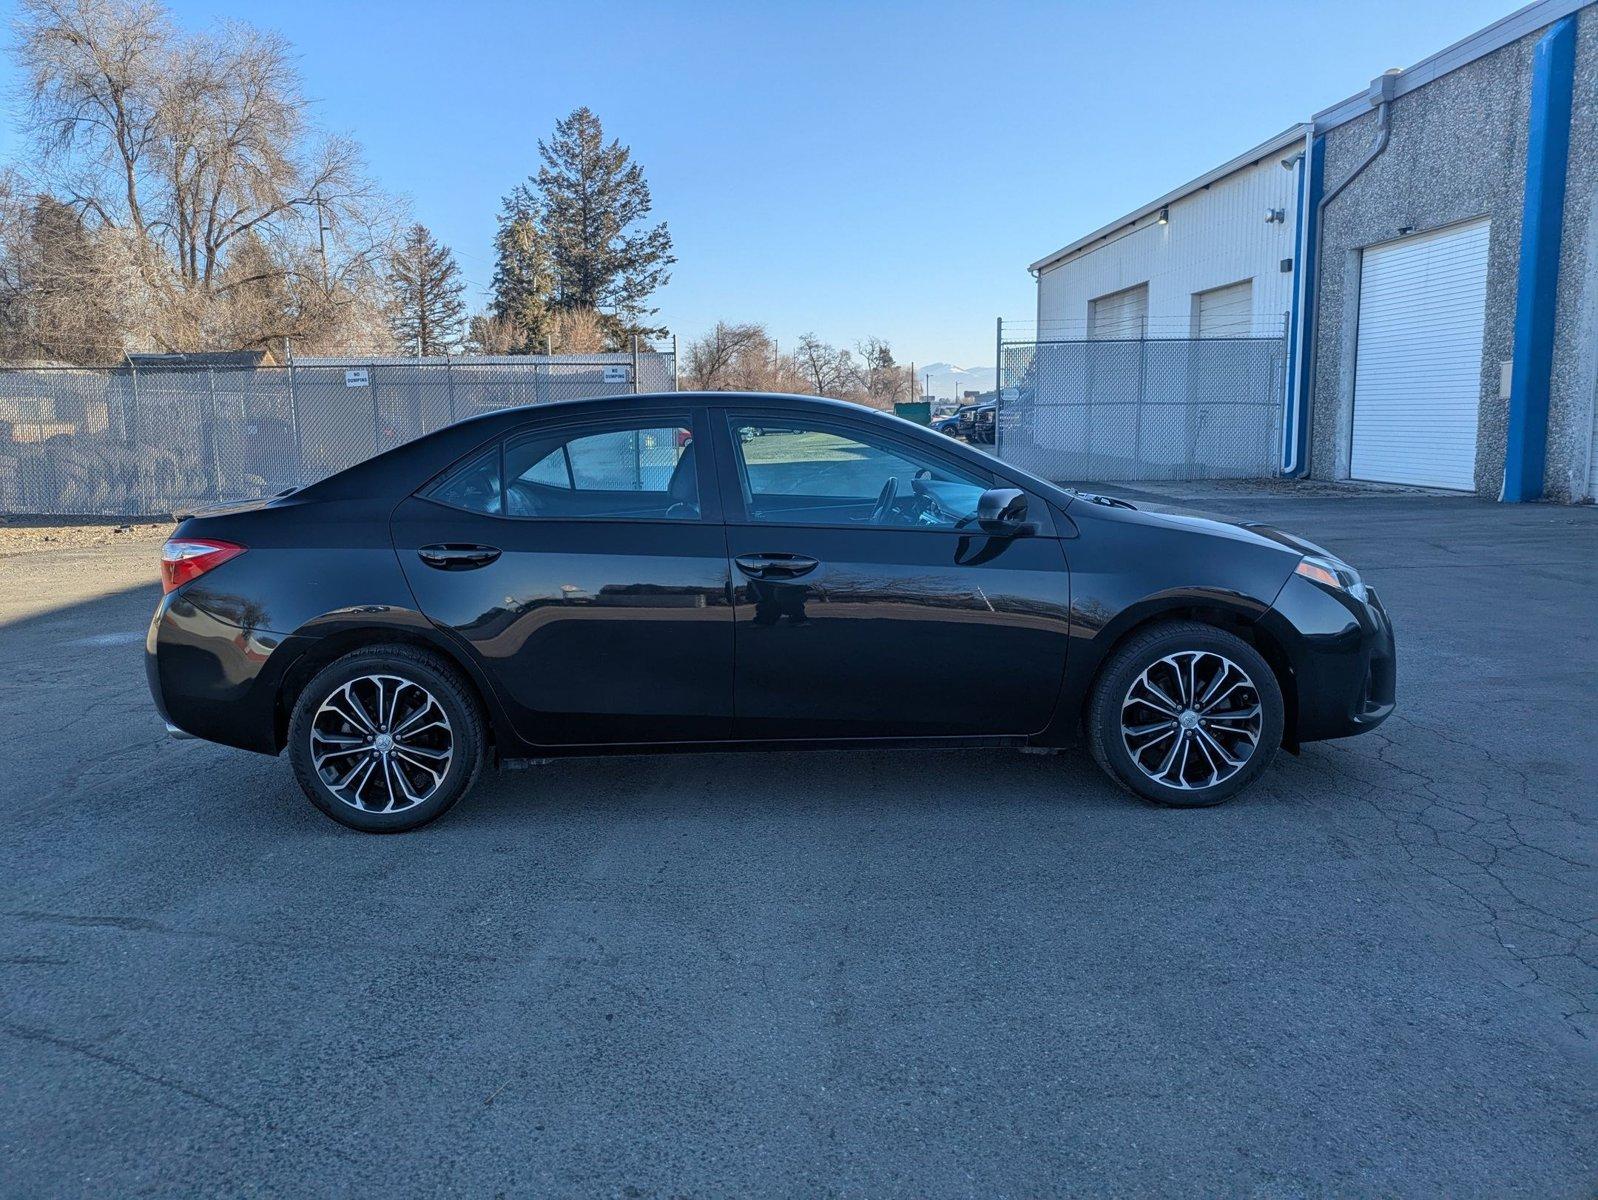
775	566
452	556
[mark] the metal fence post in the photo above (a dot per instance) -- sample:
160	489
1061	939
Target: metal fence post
1142	391
212	447
635	364
294	425
998	384
675	385
130	418
377	416
449	384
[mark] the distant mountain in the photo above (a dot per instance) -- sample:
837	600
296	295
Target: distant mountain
945	381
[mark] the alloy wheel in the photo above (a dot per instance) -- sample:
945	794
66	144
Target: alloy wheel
1191	720
381	743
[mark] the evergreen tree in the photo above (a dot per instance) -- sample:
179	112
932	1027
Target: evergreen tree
590	198
429	313
522	276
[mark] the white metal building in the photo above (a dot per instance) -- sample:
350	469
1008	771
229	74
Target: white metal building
1430	256
1211	259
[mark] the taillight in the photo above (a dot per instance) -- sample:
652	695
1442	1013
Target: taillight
183	559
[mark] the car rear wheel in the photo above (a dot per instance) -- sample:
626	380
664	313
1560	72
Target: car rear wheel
386	739
1185	714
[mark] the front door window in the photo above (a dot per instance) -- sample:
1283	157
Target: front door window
804	472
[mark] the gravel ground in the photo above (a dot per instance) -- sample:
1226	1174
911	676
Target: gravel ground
884	974
47	534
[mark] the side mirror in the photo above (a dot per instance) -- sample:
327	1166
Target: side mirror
1002	510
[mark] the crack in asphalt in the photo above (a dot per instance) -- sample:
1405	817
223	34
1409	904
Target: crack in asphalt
1475	865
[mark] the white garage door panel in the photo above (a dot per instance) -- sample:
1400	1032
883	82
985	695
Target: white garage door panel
1120	314
1417	376
1225	311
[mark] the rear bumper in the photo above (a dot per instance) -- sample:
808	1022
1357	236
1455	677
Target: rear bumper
1342	656
215	680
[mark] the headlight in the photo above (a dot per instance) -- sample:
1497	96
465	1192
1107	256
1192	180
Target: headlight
1331	573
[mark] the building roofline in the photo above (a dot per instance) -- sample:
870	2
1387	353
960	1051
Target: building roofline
1467	50
1288	137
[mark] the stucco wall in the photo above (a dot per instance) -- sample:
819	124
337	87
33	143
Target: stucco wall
1458	152
1572	432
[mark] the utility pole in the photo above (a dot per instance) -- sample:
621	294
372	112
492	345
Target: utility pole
321	242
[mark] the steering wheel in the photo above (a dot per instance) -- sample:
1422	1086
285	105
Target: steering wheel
885	499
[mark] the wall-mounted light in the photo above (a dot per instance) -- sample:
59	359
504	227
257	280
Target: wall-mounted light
1165	215
1275	216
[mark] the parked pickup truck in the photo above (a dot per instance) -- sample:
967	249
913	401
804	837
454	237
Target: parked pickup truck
975	423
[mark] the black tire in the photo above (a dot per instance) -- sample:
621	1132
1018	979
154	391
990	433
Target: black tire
443	684
1143	652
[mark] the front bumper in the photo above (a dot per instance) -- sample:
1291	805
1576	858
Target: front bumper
1342	656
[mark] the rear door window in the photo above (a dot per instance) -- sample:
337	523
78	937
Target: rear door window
609	471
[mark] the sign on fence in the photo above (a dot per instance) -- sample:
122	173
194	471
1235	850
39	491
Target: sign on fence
357	377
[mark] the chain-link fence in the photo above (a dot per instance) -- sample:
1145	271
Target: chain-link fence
1177	408
140	441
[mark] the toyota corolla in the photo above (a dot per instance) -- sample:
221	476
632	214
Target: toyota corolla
697	572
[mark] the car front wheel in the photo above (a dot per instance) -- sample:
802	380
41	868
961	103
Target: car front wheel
386	739
1185	714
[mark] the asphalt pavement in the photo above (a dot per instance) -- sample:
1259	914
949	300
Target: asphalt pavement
955	973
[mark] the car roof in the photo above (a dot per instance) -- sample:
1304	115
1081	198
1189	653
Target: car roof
413	461
629	400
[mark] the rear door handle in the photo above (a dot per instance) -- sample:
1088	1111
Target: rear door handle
451	556
775	566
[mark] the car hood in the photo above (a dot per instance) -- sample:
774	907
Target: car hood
1253	532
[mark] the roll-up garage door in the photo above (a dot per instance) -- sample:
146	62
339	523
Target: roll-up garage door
1120	314
1418	374
1224	311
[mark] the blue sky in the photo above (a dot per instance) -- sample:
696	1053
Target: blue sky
850	169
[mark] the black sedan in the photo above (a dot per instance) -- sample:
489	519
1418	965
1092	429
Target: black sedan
723	571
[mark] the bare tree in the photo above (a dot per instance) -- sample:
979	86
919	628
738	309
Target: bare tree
490	334
718	361
827	370
194	155
578	331
886	382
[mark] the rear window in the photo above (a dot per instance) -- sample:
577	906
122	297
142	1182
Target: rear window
609	471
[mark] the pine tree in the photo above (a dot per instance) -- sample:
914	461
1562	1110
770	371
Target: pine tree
590	197
523	277
429	314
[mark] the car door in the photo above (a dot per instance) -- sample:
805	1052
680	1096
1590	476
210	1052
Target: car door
867	602
584	562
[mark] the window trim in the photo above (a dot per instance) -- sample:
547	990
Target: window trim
692	417
733	482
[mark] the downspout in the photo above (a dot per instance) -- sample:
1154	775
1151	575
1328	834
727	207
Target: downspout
1381	94
1536	289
